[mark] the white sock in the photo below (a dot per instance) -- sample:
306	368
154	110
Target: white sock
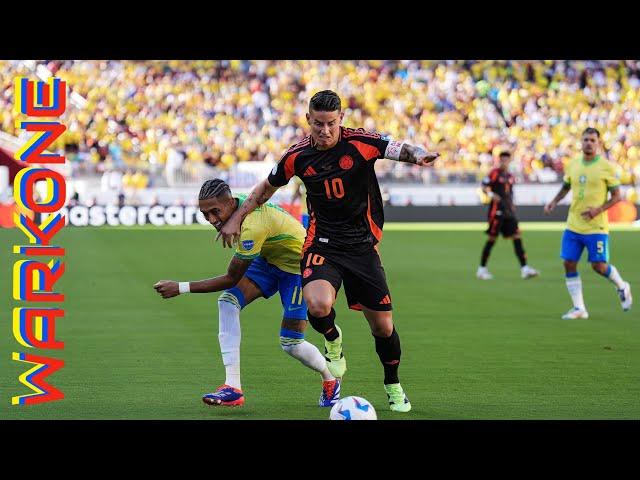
229	338
308	354
574	285
615	278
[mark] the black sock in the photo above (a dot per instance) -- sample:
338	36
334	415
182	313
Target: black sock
325	325
486	251
388	349
517	246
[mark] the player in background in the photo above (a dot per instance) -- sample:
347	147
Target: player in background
266	261
502	217
591	178
336	165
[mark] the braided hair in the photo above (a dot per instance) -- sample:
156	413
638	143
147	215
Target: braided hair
213	189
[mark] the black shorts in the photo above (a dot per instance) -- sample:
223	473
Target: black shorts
508	227
365	283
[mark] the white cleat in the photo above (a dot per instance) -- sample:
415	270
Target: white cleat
575	313
625	297
528	272
483	274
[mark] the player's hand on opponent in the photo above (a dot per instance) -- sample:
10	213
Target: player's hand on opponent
230	232
591	213
167	288
424	158
550	207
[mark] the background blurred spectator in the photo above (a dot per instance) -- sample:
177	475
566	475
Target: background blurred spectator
175	116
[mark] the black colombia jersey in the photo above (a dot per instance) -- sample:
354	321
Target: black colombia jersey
343	195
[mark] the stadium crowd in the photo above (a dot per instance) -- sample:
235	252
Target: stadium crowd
163	116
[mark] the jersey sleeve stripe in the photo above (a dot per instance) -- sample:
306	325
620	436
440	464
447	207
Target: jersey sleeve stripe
367	151
350	132
246	257
289	165
302	144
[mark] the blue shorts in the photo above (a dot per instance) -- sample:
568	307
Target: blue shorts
270	280
573	243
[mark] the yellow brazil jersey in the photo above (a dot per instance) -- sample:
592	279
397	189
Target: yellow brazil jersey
590	184
272	233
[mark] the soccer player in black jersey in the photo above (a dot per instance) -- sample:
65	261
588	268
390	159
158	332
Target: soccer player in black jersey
346	218
502	217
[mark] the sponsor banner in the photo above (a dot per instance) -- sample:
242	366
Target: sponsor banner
128	215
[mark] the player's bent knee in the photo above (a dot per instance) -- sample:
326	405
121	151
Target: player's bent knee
382	330
319	307
599	267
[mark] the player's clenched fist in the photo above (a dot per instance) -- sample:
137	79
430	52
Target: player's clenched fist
167	288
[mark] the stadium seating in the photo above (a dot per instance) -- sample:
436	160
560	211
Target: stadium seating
148	115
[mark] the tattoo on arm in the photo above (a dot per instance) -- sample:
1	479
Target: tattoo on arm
237	268
258	196
409	152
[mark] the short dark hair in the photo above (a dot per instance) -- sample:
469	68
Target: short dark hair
213	189
590	130
504	153
325	101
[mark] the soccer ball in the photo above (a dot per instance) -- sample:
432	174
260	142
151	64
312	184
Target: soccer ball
353	408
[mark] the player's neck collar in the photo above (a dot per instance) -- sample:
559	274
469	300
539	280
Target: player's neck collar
590	162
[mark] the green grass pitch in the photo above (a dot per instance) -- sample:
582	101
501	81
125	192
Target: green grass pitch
471	349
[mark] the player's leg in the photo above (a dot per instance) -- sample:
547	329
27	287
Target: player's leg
387	343
492	231
230	303
293	343
321	280
257	282
598	247
366	289
572	247
511	230
292	340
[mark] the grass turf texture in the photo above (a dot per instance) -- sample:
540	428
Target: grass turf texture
471	349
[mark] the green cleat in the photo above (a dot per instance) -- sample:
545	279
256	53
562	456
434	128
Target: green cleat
398	401
336	363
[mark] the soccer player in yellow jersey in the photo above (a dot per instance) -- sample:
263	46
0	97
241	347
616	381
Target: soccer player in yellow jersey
266	261
591	178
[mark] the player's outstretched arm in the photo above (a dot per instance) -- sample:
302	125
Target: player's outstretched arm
592	212
237	268
230	231
548	208
403	152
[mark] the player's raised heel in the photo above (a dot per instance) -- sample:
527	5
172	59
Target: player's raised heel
575	313
336	363
330	393
224	396
625	297
398	401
